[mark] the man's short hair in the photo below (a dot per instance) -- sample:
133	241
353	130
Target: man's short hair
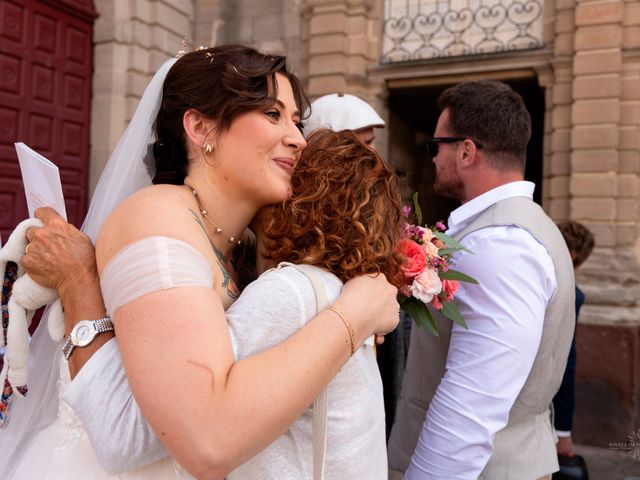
491	113
579	239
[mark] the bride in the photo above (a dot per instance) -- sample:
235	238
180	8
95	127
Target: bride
228	127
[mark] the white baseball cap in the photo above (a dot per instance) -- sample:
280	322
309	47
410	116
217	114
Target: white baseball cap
341	111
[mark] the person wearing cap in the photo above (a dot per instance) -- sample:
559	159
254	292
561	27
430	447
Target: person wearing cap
341	111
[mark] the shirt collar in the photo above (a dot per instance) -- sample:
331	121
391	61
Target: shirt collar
461	216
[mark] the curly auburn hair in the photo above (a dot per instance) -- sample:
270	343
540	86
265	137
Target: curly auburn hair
344	213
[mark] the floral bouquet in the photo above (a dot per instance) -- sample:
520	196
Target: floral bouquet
428	278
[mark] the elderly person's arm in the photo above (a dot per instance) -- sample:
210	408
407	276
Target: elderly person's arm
62	257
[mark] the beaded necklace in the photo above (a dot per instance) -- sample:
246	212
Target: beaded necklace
205	215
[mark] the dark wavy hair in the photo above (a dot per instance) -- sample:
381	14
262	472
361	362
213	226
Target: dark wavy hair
494	115
344	214
579	239
220	83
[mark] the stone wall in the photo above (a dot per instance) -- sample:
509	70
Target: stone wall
132	39
272	26
605	161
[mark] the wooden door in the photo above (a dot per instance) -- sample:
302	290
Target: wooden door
46	63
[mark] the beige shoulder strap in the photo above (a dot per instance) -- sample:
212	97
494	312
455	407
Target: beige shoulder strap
320	403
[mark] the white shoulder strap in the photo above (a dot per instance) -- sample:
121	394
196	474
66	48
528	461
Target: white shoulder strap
320	403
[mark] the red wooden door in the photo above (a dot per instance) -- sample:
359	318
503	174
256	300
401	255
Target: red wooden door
46	63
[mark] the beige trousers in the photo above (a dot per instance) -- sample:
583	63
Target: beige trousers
395	475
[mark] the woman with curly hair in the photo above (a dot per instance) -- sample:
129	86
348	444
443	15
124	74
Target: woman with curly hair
218	133
343	219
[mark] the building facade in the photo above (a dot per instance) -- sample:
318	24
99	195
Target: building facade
575	62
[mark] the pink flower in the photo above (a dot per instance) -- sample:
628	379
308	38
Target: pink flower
406	210
427	235
450	288
441	226
426	285
430	249
436	303
416	258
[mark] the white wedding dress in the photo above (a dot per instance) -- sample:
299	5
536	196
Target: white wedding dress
62	451
270	309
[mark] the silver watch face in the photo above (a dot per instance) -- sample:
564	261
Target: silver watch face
83	334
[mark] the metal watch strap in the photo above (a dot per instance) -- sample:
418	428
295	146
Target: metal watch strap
100	325
103	324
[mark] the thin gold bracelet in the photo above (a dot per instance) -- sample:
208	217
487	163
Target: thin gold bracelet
352	337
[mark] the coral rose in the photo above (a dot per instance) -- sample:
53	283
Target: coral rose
416	258
450	288
426	285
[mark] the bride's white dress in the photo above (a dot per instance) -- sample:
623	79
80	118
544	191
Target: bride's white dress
271	309
63	452
63	449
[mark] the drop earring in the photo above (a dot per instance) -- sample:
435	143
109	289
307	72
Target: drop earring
208	149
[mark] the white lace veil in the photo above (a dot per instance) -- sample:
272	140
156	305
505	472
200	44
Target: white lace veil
128	170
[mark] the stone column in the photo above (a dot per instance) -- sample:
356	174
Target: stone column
557	159
131	39
344	38
605	159
605	118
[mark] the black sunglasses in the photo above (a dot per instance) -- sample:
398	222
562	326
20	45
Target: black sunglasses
432	143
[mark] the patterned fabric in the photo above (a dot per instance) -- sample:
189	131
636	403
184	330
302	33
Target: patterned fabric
10	275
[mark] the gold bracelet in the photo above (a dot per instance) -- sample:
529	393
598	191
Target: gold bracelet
352	337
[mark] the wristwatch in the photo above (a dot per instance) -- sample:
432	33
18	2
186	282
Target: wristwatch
84	332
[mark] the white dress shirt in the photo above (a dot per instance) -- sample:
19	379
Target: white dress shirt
488	364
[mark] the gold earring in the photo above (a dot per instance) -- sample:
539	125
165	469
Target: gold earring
208	149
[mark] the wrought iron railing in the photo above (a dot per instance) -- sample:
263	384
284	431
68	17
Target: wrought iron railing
422	29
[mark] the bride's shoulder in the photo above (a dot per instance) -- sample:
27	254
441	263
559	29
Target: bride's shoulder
158	210
152	206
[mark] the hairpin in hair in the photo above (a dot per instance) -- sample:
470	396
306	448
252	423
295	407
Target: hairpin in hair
210	56
186	47
237	72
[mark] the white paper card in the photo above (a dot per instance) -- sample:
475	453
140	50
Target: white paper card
41	179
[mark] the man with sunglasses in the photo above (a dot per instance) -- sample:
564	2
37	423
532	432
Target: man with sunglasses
476	402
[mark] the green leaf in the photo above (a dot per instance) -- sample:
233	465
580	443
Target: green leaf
450	310
420	314
450	241
456	275
416	207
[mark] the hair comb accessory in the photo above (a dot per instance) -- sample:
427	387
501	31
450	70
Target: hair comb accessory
186	47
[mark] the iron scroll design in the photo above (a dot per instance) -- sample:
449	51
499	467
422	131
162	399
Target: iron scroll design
424	29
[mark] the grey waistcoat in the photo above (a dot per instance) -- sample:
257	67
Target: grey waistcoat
525	448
